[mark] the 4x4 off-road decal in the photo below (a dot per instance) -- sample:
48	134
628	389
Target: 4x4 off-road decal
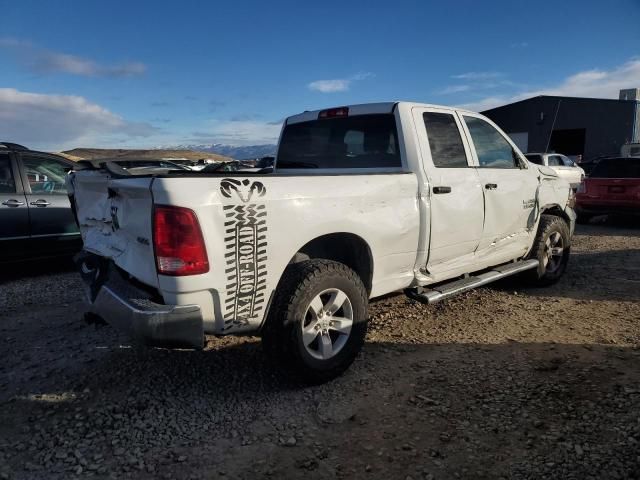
245	253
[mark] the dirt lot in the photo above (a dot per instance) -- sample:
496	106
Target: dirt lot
502	382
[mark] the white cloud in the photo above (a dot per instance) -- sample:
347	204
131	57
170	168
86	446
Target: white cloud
338	84
238	133
590	83
477	76
58	121
486	103
330	86
454	89
41	60
598	83
64	63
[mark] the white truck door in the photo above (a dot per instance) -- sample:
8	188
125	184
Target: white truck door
509	190
456	209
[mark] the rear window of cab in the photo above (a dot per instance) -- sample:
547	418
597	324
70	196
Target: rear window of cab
360	141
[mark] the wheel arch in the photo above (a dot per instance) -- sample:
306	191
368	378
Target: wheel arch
556	210
344	247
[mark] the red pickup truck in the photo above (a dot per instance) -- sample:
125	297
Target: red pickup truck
613	187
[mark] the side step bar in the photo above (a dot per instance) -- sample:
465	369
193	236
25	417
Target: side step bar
437	293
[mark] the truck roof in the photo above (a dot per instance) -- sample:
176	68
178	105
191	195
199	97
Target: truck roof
366	109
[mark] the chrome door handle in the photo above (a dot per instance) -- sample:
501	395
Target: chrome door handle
40	203
12	202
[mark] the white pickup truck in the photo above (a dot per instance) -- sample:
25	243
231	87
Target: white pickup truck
362	201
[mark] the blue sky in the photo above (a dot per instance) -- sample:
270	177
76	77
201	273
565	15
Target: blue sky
123	73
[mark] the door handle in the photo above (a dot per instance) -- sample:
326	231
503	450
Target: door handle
12	202
40	203
441	189
491	186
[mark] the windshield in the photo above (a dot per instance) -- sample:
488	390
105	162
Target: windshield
617	168
361	141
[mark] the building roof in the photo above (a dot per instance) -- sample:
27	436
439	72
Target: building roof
539	97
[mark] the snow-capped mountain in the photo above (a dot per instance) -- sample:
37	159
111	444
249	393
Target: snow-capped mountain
237	152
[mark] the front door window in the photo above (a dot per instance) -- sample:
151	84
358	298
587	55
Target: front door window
492	148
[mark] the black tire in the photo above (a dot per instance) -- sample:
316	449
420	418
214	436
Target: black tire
550	272
282	336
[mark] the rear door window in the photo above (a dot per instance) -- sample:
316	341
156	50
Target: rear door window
617	168
7	182
555	161
445	142
360	141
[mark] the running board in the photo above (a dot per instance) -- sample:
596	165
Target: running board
443	291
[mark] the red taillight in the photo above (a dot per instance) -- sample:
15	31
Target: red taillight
178	242
334	112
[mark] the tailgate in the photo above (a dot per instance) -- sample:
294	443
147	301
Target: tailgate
614	189
115	218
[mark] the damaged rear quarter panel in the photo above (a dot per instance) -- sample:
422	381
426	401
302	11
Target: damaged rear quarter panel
254	225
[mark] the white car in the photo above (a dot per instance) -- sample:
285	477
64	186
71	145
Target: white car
563	165
363	200
630	150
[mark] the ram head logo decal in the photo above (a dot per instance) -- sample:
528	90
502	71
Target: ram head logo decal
245	189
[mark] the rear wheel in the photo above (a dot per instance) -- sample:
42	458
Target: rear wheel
551	248
318	320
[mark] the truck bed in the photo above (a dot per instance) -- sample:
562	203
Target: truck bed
251	224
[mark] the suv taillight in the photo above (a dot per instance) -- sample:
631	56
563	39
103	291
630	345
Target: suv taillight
178	242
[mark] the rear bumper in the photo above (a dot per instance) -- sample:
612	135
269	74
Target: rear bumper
607	209
133	311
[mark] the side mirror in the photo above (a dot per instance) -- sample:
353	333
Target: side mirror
522	165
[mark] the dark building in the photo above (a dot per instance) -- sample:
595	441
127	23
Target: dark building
591	127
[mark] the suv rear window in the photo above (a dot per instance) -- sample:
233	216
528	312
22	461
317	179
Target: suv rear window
617	168
361	141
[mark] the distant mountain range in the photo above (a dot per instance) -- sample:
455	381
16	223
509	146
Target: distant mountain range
139	154
239	153
216	151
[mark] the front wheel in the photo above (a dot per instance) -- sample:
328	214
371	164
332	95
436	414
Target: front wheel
551	248
317	323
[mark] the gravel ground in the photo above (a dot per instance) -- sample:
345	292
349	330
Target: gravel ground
501	382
